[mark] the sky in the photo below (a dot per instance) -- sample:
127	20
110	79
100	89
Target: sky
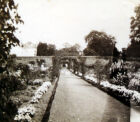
60	21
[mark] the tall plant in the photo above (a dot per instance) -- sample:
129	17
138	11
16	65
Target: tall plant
9	18
133	48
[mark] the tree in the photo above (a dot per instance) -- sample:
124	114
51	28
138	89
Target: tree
69	50
8	19
77	47
133	48
42	49
45	50
51	50
99	43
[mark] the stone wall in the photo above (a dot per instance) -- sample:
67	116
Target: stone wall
85	60
91	60
26	60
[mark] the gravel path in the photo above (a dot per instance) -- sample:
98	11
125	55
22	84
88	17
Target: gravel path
77	101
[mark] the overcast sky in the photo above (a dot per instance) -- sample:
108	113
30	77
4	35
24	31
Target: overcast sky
60	21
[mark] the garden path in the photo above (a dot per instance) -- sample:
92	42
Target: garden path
77	101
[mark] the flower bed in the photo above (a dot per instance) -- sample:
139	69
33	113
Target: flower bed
132	95
121	92
91	78
26	112
39	93
36	82
134	81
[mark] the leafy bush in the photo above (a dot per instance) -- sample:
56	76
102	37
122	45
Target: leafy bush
11	80
118	73
8	84
8	20
134	83
25	71
55	69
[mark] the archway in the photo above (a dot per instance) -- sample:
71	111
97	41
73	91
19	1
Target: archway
64	62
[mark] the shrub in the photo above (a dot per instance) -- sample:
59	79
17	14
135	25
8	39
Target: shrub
25	71
55	69
8	84
118	73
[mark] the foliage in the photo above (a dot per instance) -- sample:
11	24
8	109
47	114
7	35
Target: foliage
124	94
82	65
99	43
69	50
100	67
51	50
118	73
40	62
135	83
45	50
76	65
10	81
116	54
133	48
8	19
25	71
42	49
8	84
32	62
55	70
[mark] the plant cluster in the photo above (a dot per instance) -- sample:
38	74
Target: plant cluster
134	83
122	92
39	93
118	73
134	46
10	81
26	112
9	18
118	91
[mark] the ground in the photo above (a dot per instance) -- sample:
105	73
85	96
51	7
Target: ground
77	101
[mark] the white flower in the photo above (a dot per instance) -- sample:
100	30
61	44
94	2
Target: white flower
25	113
135	96
91	77
17	73
40	91
37	81
80	74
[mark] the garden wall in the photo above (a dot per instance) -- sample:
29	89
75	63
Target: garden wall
91	60
27	60
88	60
98	65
